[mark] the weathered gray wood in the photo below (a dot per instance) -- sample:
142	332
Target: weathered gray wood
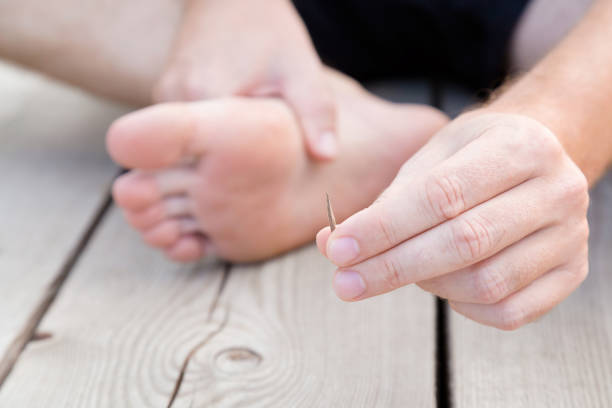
128	322
120	329
564	359
54	174
289	342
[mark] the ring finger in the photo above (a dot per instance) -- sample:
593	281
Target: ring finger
510	270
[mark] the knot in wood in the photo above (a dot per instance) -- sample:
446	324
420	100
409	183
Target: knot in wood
237	360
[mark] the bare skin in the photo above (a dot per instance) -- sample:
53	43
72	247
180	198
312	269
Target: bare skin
491	213
231	176
560	110
109	48
265	52
124	59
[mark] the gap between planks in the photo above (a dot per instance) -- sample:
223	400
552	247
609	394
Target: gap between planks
28	333
227	269
442	352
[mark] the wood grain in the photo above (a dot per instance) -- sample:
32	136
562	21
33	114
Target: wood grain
130	329
54	175
289	342
120	330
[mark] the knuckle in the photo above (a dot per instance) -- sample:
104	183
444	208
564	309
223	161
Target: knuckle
489	286
575	189
579	235
391	274
386	228
471	238
542	143
583	272
584	231
580	272
511	317
444	196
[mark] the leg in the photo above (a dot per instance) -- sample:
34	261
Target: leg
542	26
113	48
230	176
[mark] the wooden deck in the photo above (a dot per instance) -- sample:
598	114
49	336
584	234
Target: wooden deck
91	317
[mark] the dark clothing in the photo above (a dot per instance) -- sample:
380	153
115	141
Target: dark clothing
462	40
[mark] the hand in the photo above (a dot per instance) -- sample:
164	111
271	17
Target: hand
490	214
252	48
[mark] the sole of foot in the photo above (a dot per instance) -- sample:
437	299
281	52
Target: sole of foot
231	177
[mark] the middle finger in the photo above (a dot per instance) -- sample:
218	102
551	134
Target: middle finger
463	241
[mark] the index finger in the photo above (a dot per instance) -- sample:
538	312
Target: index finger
486	167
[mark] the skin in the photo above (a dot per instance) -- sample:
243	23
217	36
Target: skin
190	55
491	213
236	47
205	183
122	58
114	55
559	111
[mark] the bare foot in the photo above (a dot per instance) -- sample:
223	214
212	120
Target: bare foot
231	177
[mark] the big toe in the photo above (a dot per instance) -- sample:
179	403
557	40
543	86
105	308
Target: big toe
151	138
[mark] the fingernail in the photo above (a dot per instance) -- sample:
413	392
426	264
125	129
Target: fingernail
327	144
343	250
348	285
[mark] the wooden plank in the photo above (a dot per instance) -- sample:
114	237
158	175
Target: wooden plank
54	174
289	341
564	359
129	326
120	330
125	323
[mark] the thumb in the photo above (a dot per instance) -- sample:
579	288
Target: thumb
312	101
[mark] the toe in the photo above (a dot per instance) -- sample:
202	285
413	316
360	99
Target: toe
167	233
138	190
188	248
163	234
173	206
175	180
152	138
135	191
166	134
145	219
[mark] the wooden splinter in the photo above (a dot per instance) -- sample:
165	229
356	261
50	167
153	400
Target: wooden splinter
330	214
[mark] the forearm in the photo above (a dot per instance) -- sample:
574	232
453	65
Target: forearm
570	91
114	48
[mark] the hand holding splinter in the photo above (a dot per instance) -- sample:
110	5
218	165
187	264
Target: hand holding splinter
490	214
244	48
